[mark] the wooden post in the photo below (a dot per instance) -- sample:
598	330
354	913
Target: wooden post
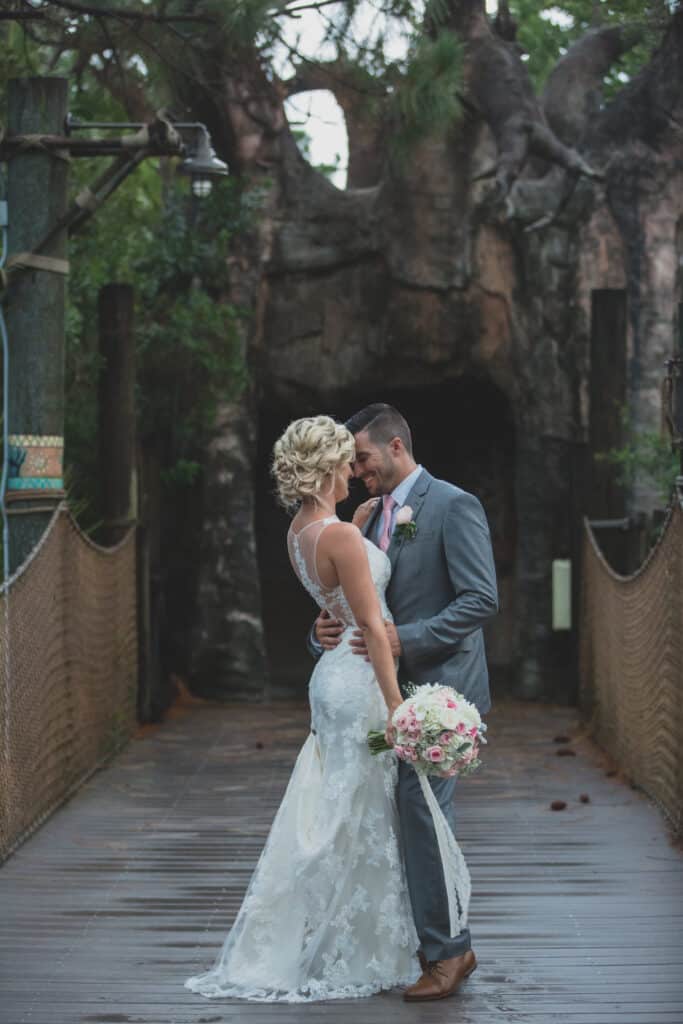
116	411
678	396
607	398
606	496
152	698
37	198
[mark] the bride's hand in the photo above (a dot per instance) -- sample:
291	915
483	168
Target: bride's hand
363	512
390	731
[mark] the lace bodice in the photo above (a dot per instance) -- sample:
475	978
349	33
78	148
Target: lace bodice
303	547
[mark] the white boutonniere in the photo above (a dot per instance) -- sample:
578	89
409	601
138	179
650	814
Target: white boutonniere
405	525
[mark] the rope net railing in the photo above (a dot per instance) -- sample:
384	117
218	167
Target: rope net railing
68	671
631	664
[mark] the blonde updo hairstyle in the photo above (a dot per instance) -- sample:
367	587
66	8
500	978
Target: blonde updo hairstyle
309	452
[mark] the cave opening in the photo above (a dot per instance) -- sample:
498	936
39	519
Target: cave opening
463	432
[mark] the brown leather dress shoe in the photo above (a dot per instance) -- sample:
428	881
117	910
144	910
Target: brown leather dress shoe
442	977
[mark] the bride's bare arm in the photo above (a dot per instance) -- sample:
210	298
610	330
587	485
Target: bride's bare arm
346	551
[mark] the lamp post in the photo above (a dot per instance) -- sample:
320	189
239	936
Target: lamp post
34	430
203	165
39	143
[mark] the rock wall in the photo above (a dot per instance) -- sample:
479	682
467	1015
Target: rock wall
466	273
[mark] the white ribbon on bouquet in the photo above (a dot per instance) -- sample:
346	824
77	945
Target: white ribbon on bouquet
455	871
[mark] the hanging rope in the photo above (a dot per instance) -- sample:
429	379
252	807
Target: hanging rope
632	663
69	701
48	144
36	261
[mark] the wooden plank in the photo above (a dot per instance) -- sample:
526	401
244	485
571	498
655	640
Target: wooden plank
576	915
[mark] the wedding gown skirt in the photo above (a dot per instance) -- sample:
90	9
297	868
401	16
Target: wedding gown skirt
327	913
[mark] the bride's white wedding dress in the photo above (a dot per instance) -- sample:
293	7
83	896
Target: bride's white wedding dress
327	913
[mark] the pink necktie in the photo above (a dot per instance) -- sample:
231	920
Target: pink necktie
385	535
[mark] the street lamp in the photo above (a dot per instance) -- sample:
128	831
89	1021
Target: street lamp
189	139
40	141
203	165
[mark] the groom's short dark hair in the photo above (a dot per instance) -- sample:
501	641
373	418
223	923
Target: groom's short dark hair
382	423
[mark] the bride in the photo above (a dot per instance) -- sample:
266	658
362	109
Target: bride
327	913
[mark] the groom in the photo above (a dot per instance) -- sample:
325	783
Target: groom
442	590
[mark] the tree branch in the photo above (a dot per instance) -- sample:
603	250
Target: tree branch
315	5
338	76
126	14
504	24
652	103
574	88
498	86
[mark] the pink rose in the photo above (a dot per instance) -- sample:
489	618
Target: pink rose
446	737
414	731
400	751
460	728
451	703
402	722
473	731
435	754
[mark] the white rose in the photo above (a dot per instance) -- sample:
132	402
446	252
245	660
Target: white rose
470	717
404	515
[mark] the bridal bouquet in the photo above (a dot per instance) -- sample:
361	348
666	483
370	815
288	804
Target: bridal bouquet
438	731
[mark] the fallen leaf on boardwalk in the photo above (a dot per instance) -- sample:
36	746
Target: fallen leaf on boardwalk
584	798
558	805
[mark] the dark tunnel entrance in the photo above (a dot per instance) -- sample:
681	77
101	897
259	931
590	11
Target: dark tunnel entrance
463	431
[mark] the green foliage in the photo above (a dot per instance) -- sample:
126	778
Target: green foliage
426	98
645	455
173	249
547	30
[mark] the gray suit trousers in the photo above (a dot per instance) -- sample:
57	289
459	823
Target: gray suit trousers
423	863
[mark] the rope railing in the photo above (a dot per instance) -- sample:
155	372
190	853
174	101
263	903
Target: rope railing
68	671
631	664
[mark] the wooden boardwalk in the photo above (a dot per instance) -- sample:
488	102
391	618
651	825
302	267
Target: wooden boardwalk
576	914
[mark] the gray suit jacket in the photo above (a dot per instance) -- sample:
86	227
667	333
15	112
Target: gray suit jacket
442	589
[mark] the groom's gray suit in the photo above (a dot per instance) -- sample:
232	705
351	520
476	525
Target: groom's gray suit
442	590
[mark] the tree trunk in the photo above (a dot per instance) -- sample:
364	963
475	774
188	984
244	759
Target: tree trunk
474	261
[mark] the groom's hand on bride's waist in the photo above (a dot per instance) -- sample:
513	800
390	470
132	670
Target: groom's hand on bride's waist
328	631
359	646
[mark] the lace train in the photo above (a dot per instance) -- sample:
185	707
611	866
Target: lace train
326	914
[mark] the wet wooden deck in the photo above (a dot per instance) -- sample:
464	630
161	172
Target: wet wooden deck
128	889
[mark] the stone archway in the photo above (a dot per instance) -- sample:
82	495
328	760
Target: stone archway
464	432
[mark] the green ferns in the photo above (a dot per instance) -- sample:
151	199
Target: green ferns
426	99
